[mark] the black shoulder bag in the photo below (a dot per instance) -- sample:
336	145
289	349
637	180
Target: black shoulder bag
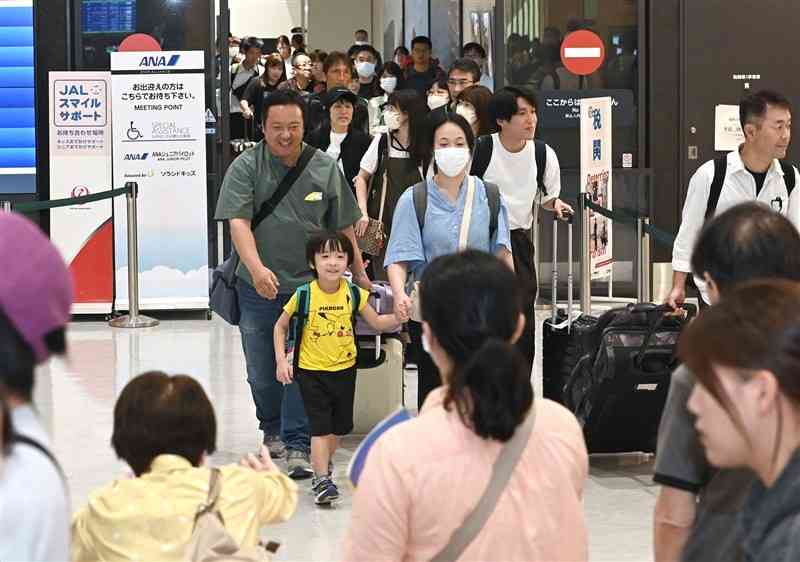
222	296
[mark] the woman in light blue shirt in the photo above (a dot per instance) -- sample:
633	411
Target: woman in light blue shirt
410	248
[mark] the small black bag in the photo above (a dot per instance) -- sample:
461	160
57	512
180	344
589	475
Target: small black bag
222	296
619	387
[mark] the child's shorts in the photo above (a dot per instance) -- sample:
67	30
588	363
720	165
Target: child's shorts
328	398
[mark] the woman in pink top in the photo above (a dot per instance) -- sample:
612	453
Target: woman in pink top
423	477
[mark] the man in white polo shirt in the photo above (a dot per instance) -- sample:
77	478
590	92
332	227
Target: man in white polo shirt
527	173
754	172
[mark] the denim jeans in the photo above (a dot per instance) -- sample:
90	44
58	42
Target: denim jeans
279	408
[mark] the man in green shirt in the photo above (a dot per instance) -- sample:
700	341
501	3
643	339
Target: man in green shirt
273	262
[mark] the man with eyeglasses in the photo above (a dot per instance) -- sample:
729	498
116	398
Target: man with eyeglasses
463	73
301	81
423	72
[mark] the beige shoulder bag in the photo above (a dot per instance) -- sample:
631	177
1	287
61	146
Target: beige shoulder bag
211	541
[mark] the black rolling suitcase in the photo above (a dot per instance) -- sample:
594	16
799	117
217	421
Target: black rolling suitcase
619	387
240	145
562	338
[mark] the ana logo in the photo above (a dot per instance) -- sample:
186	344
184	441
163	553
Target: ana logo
80	191
142	156
156	61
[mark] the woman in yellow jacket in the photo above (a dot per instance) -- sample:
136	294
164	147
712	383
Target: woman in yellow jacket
163	428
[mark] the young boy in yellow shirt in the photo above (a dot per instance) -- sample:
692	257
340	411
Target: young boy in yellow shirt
325	358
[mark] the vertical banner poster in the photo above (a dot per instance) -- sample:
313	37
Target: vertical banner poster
80	164
596	179
159	142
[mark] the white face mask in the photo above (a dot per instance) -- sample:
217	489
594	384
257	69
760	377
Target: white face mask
233	52
452	160
467	113
365	69
392	119
426	346
388	84
435	102
359	43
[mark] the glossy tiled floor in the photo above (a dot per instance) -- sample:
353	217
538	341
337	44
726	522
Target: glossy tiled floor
76	398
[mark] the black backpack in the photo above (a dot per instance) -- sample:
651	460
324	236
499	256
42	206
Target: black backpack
239	92
720	171
484	146
420	195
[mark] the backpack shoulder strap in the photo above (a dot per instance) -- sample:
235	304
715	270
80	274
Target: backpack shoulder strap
540	154
788	175
383	151
483	155
493	197
720	169
25	440
420	195
355	296
303	294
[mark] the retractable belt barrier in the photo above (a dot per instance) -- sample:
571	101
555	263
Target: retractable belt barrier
36	206
624	216
131	190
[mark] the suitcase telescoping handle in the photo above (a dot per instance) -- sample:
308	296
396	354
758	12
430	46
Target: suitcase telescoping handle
377	295
570	279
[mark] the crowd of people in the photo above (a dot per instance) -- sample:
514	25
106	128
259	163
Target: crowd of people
443	197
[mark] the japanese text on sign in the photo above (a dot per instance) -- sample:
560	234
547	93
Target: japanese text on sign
80	103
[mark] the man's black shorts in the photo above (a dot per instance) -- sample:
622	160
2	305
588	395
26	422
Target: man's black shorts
328	398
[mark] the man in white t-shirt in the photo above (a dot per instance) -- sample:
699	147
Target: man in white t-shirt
513	168
242	73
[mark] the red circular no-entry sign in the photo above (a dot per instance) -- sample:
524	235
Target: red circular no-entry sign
582	52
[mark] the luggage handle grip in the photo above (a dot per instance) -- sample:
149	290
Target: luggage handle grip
570	277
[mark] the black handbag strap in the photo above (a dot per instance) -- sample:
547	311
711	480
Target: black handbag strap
283	188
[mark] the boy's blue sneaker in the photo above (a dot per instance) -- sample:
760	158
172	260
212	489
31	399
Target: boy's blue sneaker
325	491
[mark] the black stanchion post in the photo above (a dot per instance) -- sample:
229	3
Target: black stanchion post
133	319
554	291
586	260
646	265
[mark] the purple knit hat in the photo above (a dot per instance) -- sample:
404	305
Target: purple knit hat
35	284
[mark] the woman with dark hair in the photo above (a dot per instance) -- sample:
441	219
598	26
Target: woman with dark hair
391	164
164	428
745	354
473	105
284	47
318	69
253	100
390	78
459	215
472	312
438	94
402	57
338	138
34	313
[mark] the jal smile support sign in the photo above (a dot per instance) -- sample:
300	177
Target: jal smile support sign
159	142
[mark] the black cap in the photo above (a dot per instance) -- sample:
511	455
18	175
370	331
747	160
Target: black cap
338	93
